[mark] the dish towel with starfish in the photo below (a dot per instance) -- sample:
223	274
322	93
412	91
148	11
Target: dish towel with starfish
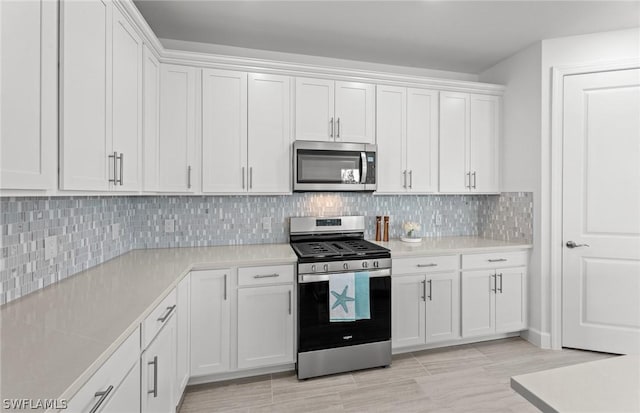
349	297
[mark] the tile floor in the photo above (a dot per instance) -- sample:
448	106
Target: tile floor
467	378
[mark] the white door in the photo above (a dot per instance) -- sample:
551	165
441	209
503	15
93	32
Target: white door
210	322
269	134
483	142
511	302
151	119
85	88
265	326
391	120
182	332
478	303
408	310
355	112
601	204
28	94
224	131
422	140
314	109
126	398
443	307
454	138
177	128
127	103
159	371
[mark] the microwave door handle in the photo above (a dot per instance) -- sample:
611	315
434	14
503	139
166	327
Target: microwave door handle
363	158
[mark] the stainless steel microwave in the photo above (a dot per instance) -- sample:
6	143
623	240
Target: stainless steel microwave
334	166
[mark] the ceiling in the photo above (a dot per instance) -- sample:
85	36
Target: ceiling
461	36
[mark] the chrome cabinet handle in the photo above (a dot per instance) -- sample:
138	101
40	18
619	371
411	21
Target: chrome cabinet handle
225	287
571	244
474	180
405	178
493	278
155	376
189	177
424	290
338	129
500	275
103	396
121	157
266	275
426	265
250	177
430	290
290	302
167	314
467	179
498	260
243	177
331	122
115	167
410	178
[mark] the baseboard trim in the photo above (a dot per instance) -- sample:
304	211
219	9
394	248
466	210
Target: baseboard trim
240	374
537	338
452	343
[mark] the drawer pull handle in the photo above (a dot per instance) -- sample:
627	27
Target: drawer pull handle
266	275
103	396
155	376
498	260
167	314
426	265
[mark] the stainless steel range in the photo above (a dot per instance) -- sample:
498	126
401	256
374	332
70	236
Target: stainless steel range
327	247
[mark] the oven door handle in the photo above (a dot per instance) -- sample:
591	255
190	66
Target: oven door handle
314	278
363	158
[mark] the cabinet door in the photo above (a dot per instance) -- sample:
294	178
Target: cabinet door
269	134
177	128
408	310
314	109
182	333
210	322
511	303
443	307
478	303
265	326
454	138
28	94
391	121
159	371
126	397
224	131
151	118
355	112
422	140
127	103
483	148
85	84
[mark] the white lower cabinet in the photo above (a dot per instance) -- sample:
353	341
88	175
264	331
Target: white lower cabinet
127	397
210	322
159	370
182	336
443	307
265	326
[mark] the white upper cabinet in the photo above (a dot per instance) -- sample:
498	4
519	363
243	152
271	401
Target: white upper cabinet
151	120
28	94
407	138
328	110
127	103
269	134
224	131
176	154
469	136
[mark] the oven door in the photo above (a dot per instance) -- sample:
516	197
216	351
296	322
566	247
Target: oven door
316	332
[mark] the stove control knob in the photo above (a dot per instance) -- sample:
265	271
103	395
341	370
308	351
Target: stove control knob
375	264
365	264
345	266
326	267
313	268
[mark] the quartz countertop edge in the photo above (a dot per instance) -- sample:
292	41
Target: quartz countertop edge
449	245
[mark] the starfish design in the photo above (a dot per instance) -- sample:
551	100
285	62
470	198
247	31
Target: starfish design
342	299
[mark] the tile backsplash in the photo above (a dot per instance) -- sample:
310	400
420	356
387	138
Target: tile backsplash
91	230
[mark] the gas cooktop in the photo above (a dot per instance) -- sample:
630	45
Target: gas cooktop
343	249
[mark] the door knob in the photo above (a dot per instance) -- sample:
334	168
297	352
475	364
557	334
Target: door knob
572	244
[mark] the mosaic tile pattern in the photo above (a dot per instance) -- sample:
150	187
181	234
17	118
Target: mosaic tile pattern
84	225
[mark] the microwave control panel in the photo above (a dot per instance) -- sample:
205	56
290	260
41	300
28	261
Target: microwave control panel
371	168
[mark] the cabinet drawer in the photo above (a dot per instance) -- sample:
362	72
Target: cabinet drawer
158	317
275	274
495	259
108	377
425	264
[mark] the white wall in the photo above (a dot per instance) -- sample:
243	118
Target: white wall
520	153
312	60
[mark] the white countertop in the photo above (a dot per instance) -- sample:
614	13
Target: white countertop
53	340
610	385
448	245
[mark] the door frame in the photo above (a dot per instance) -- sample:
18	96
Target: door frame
558	74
